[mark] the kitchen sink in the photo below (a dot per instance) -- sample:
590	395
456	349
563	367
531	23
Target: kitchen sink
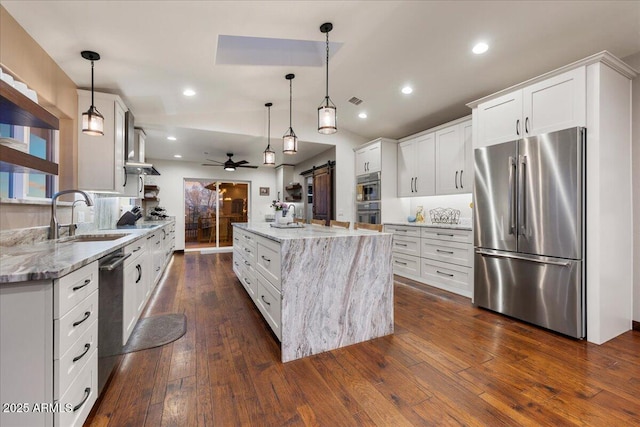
95	238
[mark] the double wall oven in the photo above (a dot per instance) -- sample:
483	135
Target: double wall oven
368	198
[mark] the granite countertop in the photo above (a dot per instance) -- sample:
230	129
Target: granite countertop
52	259
464	225
307	232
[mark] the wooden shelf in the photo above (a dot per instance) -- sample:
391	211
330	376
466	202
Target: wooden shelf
16	161
293	198
293	187
151	199
17	109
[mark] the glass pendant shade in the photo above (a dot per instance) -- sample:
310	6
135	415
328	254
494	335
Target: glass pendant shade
327	117
229	168
290	142
269	156
92	122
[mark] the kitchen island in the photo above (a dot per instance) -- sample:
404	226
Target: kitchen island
318	288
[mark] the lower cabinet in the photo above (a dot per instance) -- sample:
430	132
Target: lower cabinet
256	263
135	287
48	339
437	256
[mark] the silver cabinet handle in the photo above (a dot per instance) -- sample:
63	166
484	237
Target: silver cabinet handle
444	252
521	258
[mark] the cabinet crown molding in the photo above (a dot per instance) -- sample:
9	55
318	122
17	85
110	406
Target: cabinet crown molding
604	57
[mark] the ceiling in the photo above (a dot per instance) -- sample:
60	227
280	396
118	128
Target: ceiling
152	50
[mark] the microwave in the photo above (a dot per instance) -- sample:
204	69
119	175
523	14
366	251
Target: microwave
368	187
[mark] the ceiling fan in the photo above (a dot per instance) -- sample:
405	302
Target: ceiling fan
230	165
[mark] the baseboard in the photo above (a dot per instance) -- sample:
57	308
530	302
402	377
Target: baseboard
635	326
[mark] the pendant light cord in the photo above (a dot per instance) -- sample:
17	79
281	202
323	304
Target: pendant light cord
290	97
327	67
269	129
92	84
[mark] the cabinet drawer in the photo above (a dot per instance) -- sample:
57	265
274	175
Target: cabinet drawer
82	394
403	230
440	273
69	290
269	303
452	252
449	234
248	280
406	245
249	239
136	249
268	261
406	265
66	368
72	325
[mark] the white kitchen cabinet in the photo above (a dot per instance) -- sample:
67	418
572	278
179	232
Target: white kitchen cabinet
454	171
368	159
133	186
556	103
48	344
437	256
134	292
416	166
101	158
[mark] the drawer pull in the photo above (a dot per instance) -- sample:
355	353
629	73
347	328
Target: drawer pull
246	281
87	346
266	259
158	269
158	242
87	393
151	237
76	288
400	262
237	265
401	244
264	300
247	250
444	274
137	249
87	314
139	268
444	234
444	252
246	262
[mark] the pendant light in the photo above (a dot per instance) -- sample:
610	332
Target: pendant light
269	155
290	140
92	120
327	111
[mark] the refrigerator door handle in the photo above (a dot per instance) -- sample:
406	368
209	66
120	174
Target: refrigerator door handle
512	195
540	261
522	202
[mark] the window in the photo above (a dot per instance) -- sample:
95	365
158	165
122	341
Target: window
39	143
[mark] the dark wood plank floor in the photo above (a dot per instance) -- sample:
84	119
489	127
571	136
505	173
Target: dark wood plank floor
448	363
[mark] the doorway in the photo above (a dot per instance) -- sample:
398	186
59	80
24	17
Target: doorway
210	209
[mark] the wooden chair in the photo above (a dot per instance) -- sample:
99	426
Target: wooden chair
318	222
300	220
366	226
340	224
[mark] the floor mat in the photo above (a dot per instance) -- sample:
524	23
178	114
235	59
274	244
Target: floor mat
155	331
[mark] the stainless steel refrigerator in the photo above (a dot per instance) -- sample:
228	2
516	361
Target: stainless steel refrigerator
529	230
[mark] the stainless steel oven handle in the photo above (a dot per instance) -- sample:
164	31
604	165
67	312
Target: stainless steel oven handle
118	260
521	258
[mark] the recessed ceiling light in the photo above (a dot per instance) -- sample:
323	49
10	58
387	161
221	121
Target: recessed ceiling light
480	48
171	138
189	92
362	115
177	156
407	90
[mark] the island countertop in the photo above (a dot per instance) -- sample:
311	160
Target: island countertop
307	232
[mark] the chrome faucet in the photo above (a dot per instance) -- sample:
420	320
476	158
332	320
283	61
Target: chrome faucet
54	227
293	214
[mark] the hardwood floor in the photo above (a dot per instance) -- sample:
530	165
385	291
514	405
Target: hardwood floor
448	363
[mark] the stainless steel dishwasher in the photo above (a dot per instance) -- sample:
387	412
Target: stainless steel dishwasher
110	301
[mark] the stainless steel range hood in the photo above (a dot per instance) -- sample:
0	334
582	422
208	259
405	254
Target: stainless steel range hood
138	168
134	139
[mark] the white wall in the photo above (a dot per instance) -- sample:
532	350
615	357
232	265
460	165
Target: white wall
171	183
634	61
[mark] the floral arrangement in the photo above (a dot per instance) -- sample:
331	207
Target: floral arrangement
279	206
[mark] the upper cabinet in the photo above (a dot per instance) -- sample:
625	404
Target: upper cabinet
101	158
454	163
437	162
368	159
549	105
416	166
